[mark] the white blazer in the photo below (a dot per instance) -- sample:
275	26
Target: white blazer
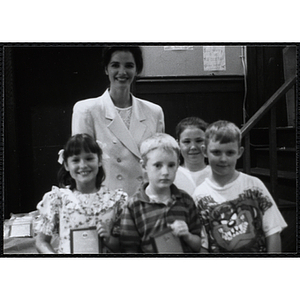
99	118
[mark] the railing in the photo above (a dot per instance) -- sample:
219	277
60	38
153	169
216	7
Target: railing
268	106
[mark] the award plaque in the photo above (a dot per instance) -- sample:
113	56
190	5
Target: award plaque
166	242
85	241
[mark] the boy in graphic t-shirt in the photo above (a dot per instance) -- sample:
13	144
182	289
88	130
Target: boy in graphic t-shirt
236	209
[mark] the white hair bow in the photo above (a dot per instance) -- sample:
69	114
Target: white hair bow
61	156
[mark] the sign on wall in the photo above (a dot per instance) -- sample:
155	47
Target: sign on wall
214	58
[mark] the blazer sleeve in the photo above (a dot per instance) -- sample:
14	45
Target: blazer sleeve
82	120
161	122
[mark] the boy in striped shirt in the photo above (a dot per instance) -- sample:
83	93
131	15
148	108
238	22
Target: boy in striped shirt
158	204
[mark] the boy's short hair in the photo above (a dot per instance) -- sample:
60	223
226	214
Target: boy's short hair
159	141
223	132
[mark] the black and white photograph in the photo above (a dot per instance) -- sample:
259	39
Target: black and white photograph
134	139
124	120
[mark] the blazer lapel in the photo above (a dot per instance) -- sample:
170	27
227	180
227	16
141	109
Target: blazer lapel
118	128
137	127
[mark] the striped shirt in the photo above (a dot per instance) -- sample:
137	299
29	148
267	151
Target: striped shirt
143	218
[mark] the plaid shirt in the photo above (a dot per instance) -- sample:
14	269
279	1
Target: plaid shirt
142	219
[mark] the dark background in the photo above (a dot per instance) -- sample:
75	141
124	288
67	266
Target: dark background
42	83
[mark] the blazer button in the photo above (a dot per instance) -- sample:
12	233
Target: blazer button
140	178
119	160
119	177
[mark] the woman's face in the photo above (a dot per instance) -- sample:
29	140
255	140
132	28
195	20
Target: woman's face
121	69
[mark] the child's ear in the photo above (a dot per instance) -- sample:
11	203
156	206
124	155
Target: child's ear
241	151
66	167
203	150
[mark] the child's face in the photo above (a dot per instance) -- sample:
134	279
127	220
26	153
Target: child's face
190	142
83	168
161	168
223	157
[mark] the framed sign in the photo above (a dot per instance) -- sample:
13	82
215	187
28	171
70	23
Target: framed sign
85	241
20	230
166	242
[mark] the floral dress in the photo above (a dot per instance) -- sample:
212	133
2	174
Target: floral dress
62	209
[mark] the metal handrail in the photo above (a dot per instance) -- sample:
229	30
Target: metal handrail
268	105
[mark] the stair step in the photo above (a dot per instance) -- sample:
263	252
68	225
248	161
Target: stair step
286	136
279	149
286	184
286	158
281	174
283	204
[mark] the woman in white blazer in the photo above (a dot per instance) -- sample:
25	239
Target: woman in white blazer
119	120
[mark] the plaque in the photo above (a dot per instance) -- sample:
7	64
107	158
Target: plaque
85	241
166	242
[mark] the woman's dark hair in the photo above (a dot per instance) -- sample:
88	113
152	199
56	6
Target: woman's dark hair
190	121
136	51
74	146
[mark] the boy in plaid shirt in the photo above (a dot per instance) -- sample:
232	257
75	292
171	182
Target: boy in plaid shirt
158	204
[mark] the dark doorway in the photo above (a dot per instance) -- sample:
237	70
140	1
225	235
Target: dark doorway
41	86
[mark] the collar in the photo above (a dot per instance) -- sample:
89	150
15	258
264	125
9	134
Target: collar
137	110
175	193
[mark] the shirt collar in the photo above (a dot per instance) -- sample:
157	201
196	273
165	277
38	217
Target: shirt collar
175	194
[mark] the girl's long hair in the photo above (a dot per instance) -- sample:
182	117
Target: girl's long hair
74	146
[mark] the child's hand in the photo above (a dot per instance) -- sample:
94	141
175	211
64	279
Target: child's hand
179	228
110	241
103	231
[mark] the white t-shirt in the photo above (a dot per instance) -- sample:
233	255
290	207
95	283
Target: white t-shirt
188	181
237	216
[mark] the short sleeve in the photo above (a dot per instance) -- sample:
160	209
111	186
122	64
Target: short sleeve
273	221
49	209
